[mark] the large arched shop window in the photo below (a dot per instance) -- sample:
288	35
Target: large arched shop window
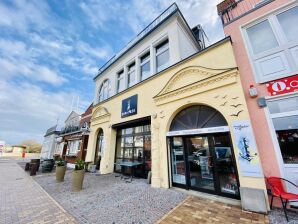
196	117
104	91
98	151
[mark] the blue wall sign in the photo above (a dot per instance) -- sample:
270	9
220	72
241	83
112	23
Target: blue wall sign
129	106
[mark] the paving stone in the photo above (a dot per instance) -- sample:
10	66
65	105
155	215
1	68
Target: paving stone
23	201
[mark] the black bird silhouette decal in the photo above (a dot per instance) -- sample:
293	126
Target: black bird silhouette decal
225	96
223	104
237	105
234	98
237	114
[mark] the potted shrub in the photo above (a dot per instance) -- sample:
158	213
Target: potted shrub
60	170
78	175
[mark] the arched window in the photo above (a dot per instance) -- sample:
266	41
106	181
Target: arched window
104	91
196	117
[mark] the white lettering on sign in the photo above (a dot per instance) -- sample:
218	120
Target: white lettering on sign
199	131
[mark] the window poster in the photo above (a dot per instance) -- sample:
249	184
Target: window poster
246	149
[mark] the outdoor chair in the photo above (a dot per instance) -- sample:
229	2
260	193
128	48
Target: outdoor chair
277	189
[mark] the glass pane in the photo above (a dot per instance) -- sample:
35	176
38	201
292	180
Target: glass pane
138	141
200	163
162	60
162	46
178	165
225	167
284	105
285	123
145	70
118	168
147	152
131	78
139	129
289	23
261	37
288	142
128	142
128	153
147	128
128	131
119	149
138	154
145	57
121	83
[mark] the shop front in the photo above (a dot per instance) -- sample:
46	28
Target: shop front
201	152
188	125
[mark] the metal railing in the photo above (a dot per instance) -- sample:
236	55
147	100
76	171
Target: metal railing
231	10
169	11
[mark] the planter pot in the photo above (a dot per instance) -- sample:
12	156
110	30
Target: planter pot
60	173
77	179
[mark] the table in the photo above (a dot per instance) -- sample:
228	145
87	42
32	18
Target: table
130	164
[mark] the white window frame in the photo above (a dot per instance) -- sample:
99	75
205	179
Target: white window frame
159	45
143	63
104	86
284	44
119	78
129	73
73	146
269	117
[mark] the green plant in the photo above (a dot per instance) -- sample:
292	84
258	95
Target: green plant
80	164
60	162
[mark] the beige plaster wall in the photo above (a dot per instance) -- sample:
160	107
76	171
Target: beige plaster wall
208	78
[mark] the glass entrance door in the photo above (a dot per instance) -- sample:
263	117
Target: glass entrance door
205	163
200	163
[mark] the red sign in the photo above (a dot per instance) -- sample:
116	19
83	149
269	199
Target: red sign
282	86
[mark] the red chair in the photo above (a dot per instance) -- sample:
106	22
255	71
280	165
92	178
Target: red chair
277	190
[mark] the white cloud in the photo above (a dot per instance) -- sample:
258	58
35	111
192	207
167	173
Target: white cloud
29	110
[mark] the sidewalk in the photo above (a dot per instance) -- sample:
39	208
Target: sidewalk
22	200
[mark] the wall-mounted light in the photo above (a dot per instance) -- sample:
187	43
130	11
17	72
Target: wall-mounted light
253	92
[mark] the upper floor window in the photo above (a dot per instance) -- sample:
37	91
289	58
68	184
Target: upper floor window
273	45
120	81
261	37
162	56
131	75
145	66
288	21
104	90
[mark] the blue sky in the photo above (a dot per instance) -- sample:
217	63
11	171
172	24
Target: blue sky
51	50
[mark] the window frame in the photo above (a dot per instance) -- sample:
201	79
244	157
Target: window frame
147	60
119	79
158	46
129	74
284	45
104	85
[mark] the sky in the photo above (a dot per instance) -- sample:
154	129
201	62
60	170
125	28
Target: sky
51	50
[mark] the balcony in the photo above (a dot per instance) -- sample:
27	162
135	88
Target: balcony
231	10
69	129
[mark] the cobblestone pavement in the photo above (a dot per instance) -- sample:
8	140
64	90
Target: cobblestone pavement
196	210
22	200
106	199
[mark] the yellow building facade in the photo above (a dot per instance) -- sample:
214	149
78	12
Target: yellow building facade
209	80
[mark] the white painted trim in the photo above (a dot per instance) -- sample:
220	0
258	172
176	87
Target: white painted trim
275	142
199	131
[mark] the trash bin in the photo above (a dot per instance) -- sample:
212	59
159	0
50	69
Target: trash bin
33	169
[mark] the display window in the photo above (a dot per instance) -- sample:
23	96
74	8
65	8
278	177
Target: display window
134	144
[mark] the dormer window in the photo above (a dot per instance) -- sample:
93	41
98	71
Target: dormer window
131	75
162	56
145	66
120	81
104	90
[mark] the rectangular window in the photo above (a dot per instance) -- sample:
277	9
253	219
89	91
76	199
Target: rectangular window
120	81
162	56
261	37
289	23
73	146
134	145
131	75
145	66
